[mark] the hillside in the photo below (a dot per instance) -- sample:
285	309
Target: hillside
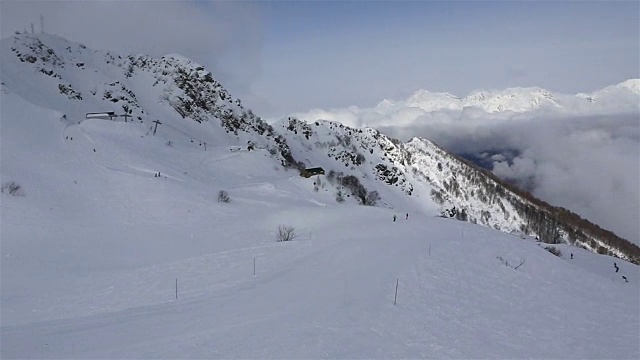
116	244
193	108
443	184
91	255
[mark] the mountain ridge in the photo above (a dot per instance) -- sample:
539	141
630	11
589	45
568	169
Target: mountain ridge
518	99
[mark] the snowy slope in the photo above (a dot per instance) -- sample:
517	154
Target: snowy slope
196	112
332	297
91	253
88	274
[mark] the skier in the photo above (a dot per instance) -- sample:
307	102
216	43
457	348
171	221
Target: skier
572	255
394	218
407	217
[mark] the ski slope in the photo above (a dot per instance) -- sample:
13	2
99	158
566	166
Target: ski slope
90	257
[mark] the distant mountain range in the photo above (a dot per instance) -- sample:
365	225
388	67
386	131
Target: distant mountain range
612	98
361	164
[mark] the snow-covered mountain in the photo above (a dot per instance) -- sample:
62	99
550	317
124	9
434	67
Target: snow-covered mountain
362	165
620	96
505	105
520	100
118	241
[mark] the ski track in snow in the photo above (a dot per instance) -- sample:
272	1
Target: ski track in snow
344	307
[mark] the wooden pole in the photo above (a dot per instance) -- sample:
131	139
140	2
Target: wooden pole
429	249
176	288
254	266
156	127
395	299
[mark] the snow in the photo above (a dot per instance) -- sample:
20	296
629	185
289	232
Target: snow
90	257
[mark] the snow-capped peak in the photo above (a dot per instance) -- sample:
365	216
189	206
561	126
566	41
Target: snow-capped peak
625	95
632	84
428	100
516	99
520	100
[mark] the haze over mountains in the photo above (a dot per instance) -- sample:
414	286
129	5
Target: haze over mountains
111	213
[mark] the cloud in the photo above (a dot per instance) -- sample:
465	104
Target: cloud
586	162
225	37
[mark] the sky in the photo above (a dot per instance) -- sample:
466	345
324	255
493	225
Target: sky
290	56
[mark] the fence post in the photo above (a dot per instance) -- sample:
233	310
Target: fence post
395	299
156	127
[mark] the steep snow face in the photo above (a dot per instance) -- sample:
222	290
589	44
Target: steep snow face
365	153
456	187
